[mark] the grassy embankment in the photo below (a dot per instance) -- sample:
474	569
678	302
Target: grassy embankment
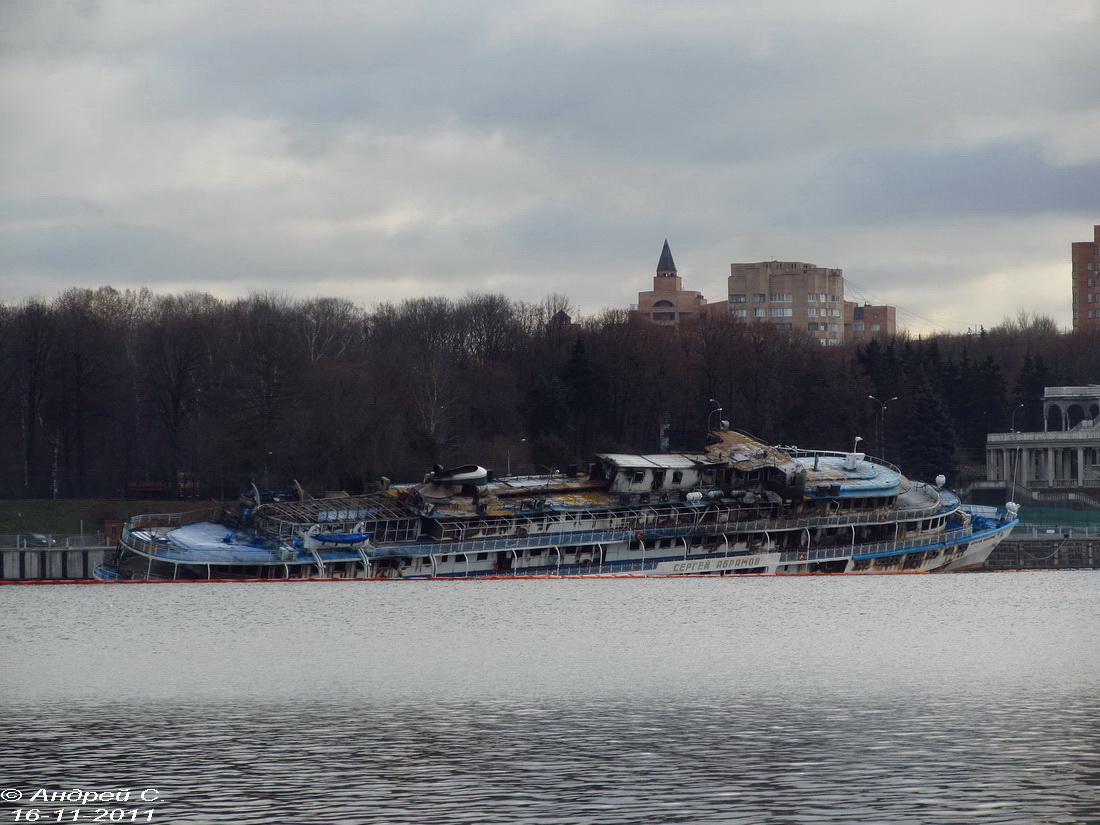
71	517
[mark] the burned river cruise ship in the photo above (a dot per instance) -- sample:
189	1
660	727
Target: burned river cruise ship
738	507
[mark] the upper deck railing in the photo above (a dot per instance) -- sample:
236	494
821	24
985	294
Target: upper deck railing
155	520
797	452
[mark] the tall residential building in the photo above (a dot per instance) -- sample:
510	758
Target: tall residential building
1086	283
668	303
791	295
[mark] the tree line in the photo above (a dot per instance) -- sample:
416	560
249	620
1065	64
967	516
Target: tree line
108	393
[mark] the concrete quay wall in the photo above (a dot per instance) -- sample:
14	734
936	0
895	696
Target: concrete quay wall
1047	552
49	563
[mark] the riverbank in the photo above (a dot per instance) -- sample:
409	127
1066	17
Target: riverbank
76	517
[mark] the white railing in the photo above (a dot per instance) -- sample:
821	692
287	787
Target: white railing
1071	392
1085	434
153	520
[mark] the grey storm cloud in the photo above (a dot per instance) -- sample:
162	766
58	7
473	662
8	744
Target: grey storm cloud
382	150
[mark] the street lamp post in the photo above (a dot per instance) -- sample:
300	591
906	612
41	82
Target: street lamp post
882	424
717	409
1018	407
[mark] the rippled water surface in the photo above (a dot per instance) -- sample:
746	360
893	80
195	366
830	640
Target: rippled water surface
881	699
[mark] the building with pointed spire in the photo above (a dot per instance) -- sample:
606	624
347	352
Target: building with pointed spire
789	295
668	303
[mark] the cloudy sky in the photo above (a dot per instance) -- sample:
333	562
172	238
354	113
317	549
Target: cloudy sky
944	153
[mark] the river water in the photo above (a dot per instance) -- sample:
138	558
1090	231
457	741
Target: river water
967	698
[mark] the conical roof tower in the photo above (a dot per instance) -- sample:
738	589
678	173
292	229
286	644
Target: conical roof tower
666	267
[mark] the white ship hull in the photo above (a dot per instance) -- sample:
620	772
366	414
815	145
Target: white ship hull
739	508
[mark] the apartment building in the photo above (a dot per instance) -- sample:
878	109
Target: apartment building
1086	283
791	295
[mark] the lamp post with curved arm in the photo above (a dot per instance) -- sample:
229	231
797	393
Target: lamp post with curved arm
1018	407
882	424
717	409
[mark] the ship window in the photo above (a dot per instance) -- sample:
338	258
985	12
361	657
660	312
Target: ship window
482	556
638	477
678	477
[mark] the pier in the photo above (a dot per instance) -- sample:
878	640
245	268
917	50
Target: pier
1046	548
66	558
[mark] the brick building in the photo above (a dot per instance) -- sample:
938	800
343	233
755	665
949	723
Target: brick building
1086	283
864	322
668	303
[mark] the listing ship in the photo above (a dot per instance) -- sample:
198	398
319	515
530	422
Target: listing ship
740	506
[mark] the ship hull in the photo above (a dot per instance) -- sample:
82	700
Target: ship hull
139	560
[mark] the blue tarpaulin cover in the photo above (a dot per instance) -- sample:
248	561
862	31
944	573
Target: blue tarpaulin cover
342	538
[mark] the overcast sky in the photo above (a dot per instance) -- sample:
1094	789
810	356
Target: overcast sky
943	154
